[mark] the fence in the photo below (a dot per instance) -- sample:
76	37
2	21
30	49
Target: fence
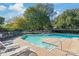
74	31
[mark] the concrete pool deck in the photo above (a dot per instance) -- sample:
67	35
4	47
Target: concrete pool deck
38	50
69	47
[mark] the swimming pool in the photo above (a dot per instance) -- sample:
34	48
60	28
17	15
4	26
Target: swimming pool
37	38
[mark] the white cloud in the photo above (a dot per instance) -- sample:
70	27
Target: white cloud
18	7
2	7
16	10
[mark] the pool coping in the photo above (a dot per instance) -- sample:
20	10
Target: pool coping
40	51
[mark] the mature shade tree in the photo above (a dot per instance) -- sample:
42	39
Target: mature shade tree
38	16
2	19
19	23
47	8
69	19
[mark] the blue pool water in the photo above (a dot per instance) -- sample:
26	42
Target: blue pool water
37	38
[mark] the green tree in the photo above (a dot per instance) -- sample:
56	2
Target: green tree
46	8
69	19
2	19
19	23
38	17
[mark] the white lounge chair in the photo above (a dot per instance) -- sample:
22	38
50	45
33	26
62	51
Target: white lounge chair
2	46
23	51
11	47
4	49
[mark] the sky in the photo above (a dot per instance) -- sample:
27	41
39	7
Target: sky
64	6
10	10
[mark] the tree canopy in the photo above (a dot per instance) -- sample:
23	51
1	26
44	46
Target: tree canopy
19	23
69	19
2	19
46	8
38	17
